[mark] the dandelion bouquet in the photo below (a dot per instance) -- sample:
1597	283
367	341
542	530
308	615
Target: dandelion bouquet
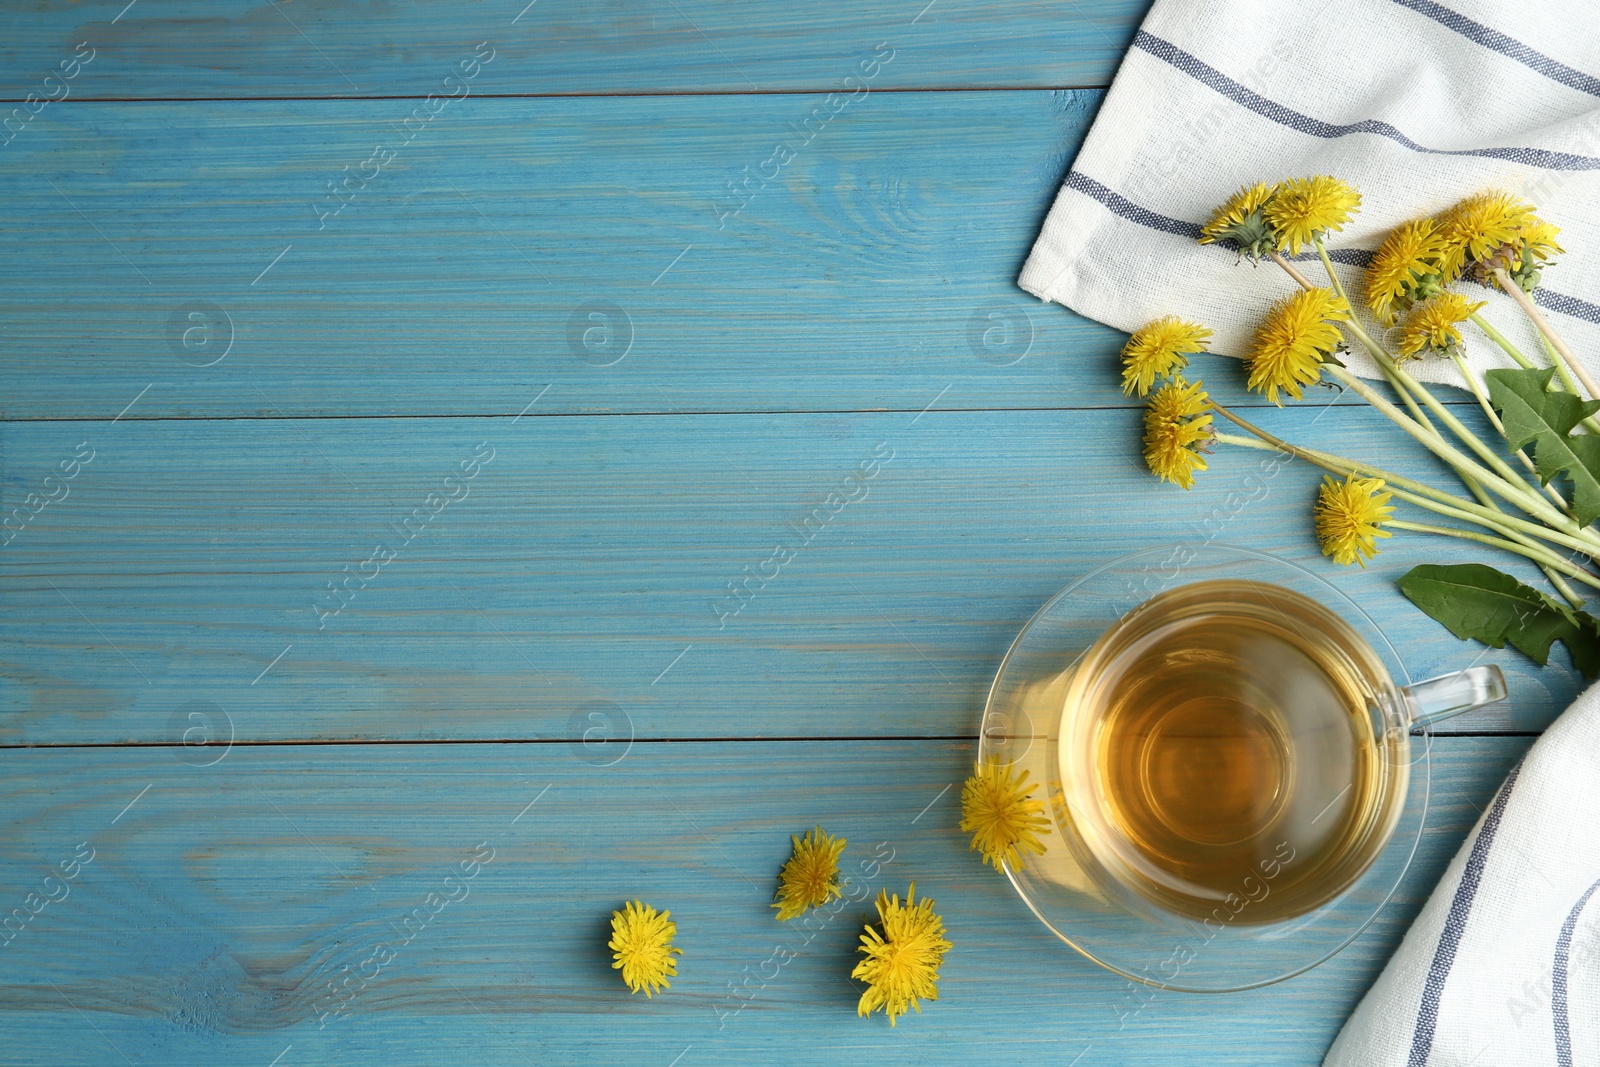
1532	489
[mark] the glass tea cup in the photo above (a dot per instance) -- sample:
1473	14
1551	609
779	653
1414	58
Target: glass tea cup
1226	747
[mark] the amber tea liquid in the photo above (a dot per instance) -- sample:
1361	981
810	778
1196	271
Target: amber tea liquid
1224	753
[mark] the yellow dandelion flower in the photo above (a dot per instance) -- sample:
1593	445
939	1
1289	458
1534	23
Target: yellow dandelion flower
1538	245
1302	209
810	878
1349	516
1291	344
996	811
641	945
1177	424
1239	222
1478	227
902	962
1159	349
1431	327
1402	265
1539	239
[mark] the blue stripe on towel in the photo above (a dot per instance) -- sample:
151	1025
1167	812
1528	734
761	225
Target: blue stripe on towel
1120	205
1567	305
1130	210
1478	33
1558	981
1214	79
1455	925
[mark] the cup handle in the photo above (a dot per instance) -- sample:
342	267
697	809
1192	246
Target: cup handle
1439	698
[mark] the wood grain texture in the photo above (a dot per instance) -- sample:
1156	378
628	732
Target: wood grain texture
254	379
218	909
590	552
174	253
460	280
315	48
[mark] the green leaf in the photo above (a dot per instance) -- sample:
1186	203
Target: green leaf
1533	414
1477	602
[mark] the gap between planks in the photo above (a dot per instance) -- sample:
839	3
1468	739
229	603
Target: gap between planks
832	739
621	93
674	413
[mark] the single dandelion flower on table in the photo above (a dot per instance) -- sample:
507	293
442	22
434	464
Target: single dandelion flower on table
1405	268
1349	516
641	945
810	878
903	954
1433	326
1241	223
1292	342
997	812
1480	227
1177	424
1303	209
1158	350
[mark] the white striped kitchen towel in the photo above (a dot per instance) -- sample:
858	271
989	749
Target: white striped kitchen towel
1502	968
1415	103
1418	105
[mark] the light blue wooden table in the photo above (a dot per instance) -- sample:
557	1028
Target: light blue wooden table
525	295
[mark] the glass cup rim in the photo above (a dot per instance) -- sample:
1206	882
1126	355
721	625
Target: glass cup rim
1331	598
1387	744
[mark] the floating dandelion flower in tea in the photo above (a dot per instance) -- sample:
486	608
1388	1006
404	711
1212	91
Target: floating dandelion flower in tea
1177	424
1303	209
1433	326
641	945
1405	268
1240	222
1159	349
1349	517
810	878
997	812
903	953
1291	344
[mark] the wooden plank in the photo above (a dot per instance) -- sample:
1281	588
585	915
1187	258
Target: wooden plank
589	560
448	286
317	48
519	244
222	902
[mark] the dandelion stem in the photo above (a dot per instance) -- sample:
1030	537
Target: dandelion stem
1546	559
1422	495
1562	372
1405	384
1481	517
1496	520
1566	382
1568	594
1591	423
1502	481
1523	539
1291	270
1466	436
1405	397
1327	265
1504	342
1500	427
1514	291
